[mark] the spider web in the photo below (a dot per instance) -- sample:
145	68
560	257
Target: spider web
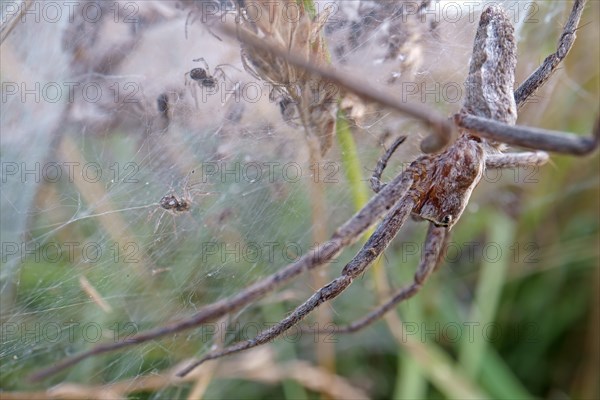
88	254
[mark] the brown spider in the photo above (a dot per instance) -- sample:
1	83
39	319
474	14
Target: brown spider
203	75
173	203
435	187
203	78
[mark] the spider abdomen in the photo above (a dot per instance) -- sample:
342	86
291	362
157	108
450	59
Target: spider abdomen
491	76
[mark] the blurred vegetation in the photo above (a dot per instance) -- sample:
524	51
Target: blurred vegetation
523	324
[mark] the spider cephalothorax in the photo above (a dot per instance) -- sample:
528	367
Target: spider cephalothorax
443	183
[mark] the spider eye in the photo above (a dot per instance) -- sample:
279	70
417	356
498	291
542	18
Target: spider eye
447	219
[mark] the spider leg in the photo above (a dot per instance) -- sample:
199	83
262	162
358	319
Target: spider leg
212	33
344	236
188	22
431	260
376	244
203	61
158	222
376	184
248	67
533	138
443	249
151	213
192	87
545	71
174	226
219	74
220	66
514	160
218	71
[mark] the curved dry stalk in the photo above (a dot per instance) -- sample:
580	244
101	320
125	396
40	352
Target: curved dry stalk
257	366
9	22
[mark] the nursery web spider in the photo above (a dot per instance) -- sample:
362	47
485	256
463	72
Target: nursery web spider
435	187
201	77
176	204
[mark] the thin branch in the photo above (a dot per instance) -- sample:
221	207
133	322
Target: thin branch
534	138
11	21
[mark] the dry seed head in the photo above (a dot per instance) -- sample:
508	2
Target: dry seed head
315	98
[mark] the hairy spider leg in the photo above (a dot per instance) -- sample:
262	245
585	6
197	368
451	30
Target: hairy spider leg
376	244
431	260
